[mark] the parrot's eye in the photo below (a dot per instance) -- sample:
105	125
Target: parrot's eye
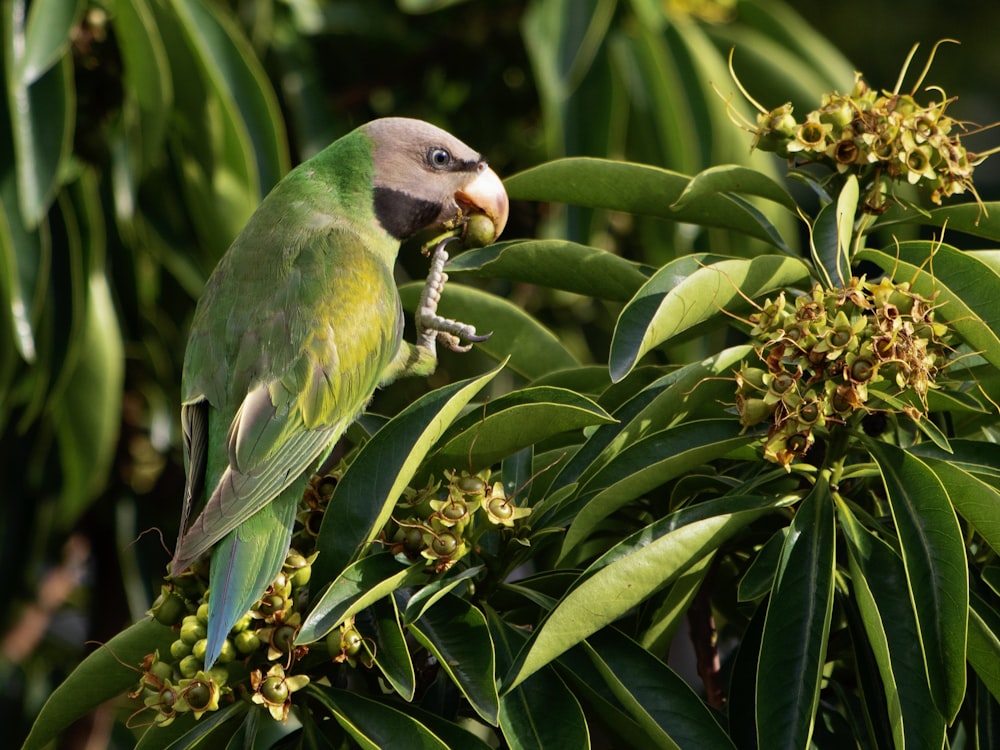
439	157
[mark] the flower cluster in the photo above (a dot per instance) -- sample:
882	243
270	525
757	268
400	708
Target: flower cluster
883	137
836	352
442	524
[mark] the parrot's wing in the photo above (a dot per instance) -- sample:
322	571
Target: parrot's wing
285	423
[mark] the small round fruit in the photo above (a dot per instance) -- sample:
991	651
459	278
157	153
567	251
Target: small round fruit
479	231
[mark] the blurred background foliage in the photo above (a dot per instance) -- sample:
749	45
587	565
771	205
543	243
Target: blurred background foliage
138	136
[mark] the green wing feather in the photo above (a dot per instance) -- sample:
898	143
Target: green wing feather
272	380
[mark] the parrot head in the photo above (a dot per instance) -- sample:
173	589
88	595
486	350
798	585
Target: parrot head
426	178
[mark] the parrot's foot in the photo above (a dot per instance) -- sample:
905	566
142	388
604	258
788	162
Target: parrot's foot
431	327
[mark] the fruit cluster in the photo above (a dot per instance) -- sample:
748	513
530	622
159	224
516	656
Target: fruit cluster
837	352
443	524
882	137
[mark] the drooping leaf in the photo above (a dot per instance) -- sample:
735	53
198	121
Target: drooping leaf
657	697
514	421
793	645
456	633
630	572
634	188
372	724
382	623
648	463
104	674
425	598
733	178
936	571
360	585
678	297
541	712
596	273
368	491
880	592
984	643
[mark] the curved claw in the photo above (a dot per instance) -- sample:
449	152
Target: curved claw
432	327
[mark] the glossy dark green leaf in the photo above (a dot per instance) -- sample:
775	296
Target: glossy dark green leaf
984	643
512	422
372	724
425	598
368	491
662	703
880	591
361	584
970	218
683	393
936	571
530	349
977	501
542	712
675	300
456	633
793	645
632	571
107	672
966	288
596	273
634	188
758	580
648	463
733	178
383	624
664	621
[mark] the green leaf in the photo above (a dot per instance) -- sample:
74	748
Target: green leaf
758	580
648	463
879	588
831	234
514	421
48	35
373	724
665	706
382	623
241	85
689	291
425	598
685	392
368	491
88	417
966	288
26	258
793	646
975	499
42	118
733	178
106	673
970	218
936	572
361	584
671	607
984	643
529	348
632	571
634	188
541	712
455	632
596	273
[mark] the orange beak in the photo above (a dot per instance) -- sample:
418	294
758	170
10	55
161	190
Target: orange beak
485	194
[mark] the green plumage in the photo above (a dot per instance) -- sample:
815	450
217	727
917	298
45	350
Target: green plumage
298	325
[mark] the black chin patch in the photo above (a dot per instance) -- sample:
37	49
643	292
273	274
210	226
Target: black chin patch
401	214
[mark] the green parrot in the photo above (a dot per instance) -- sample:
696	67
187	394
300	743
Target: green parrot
299	324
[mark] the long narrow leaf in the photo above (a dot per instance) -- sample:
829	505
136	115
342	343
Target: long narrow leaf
936	571
793	646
